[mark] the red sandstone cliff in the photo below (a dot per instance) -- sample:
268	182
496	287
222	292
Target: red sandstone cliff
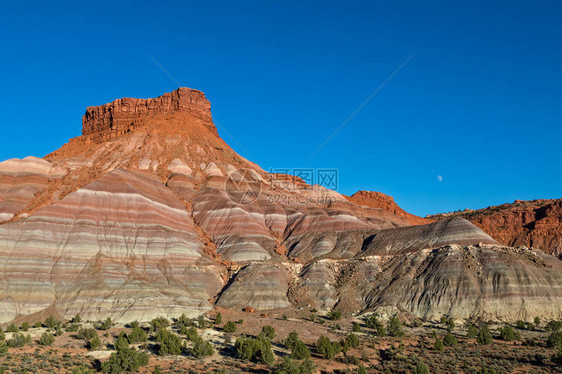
536	223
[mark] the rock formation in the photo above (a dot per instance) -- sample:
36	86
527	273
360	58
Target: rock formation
151	213
536	223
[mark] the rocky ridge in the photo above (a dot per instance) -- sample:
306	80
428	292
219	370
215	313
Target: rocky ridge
151	213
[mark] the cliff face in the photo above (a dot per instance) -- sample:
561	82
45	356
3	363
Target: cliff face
151	213
536	223
123	115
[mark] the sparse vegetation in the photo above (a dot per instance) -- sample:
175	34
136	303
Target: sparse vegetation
124	359
47	339
170	343
484	336
507	333
230	327
394	328
254	349
327	348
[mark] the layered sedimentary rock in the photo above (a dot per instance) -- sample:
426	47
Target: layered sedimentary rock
122	246
21	180
151	213
536	223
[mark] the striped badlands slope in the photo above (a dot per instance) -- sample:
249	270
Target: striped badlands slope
150	213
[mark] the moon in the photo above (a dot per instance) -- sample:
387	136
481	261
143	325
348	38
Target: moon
439	178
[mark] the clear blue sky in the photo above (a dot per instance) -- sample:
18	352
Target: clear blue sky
479	103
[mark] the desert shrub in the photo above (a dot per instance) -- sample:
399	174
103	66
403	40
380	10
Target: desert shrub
327	348
507	333
472	331
125	359
104	325
201	348
51	322
18	340
230	327
46	339
553	326
449	340
192	334
373	323
3	347
352	341
285	317
76	319
218	318
300	351
159	323
73	327
268	332
290	366
170	344
93	343
537	321
37	324
394	328
557	359
291	340
12	328
201	322
484	336
137	335
520	324
86	333
334	315
2	335
421	368
554	340
254	349
157	370
487	370
356	327
361	369
81	370
439	346
134	324
530	326
25	326
450	324
444	319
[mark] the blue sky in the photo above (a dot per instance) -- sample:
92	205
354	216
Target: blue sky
479	103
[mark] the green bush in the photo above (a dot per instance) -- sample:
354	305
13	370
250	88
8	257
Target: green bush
25	326
291	340
73	327
81	370
37	325
394	328
76	319
170	344
86	333
300	351
19	340
449	340
289	366
93	343
254	349
105	325
137	335
352	341
12	328
373	323
159	323
484	336
421	368
553	326
472	331
356	327
202	323
218	319
487	370
192	334
268	332
537	321
555	340
46	339
3	347
507	333
134	324
51	322
439	346
334	315
326	348
2	335
520	324
201	348
230	327
125	359
450	325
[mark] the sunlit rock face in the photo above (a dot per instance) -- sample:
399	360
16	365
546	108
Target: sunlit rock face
150	213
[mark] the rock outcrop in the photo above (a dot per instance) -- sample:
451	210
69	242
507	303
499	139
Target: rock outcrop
150	213
536	223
